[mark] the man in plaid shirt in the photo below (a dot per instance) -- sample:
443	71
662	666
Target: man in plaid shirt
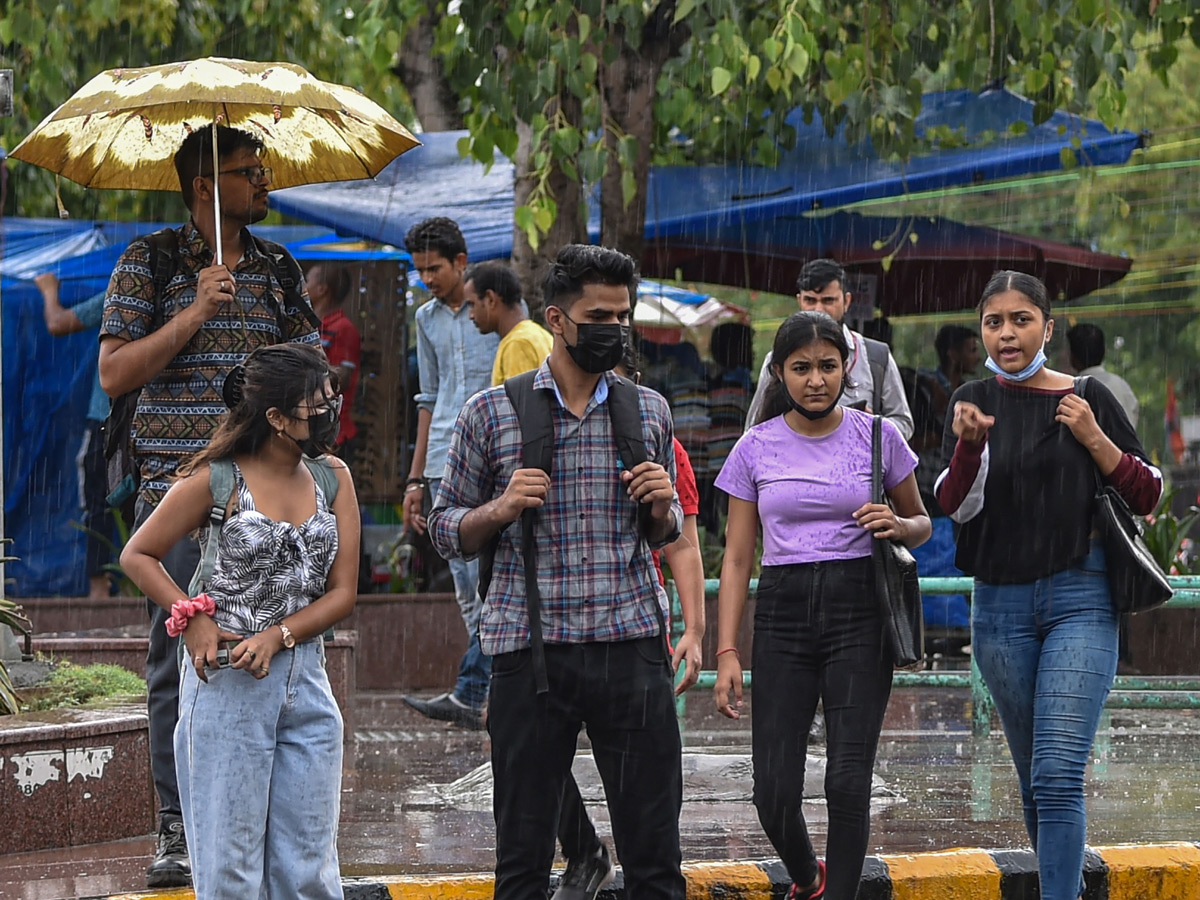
602	607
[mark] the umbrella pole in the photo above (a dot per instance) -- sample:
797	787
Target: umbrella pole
217	195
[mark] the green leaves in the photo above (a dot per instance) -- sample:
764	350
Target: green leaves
721	79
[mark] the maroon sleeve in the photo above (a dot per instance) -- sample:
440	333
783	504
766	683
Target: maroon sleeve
1138	483
956	482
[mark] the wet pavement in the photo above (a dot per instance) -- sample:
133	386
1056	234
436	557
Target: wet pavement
954	791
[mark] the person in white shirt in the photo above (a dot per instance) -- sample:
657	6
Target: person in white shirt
875	383
1087	355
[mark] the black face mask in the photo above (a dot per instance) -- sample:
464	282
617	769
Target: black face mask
813	415
322	432
597	347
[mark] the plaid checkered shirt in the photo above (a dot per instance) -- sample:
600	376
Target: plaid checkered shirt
595	573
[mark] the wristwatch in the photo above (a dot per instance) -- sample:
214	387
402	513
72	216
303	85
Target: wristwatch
289	639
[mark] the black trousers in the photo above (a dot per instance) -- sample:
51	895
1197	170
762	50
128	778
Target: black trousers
623	692
818	635
162	673
93	489
576	833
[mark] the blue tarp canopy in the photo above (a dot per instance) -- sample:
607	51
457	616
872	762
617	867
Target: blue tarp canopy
696	202
48	380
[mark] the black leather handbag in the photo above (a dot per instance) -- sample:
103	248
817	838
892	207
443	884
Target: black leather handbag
1136	581
896	583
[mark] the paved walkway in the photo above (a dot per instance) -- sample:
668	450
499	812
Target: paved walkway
953	791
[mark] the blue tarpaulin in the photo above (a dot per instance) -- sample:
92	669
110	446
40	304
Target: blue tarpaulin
700	202
48	380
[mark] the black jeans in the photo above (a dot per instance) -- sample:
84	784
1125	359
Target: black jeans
623	692
576	833
818	635
93	489
162	672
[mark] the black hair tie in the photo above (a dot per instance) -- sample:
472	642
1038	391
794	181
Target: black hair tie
233	391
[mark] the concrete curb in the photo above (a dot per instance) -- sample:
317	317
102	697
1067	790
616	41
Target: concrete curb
1123	872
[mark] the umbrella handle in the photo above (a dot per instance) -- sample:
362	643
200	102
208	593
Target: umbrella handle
217	193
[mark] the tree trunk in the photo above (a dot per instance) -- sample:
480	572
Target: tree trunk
422	75
570	226
628	88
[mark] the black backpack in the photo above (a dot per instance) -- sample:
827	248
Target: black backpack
124	473
534	409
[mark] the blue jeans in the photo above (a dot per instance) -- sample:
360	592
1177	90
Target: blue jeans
1048	653
475	668
260	778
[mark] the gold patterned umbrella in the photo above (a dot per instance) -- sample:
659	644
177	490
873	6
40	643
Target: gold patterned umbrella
122	128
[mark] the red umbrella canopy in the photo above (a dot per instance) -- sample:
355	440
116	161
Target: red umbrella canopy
911	265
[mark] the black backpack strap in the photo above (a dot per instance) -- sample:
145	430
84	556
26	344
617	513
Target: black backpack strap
291	279
535	413
877	358
123	475
624	409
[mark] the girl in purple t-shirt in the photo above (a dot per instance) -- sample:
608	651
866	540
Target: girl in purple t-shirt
804	472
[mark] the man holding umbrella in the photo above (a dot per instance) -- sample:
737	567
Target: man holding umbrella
174	335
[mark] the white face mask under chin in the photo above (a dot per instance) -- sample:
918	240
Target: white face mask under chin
1026	373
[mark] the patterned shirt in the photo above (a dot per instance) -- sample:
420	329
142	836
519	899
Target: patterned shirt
266	570
180	407
595	573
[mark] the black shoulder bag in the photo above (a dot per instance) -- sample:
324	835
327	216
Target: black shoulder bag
1136	581
896	583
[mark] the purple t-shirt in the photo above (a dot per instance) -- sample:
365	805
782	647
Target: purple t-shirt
807	488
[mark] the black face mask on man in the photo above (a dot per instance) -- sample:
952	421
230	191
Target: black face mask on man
322	430
598	347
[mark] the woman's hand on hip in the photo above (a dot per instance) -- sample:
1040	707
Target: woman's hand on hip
970	424
729	680
879	519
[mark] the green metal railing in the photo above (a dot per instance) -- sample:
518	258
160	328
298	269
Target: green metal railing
1129	692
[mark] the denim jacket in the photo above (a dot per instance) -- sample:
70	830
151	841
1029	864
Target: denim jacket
455	363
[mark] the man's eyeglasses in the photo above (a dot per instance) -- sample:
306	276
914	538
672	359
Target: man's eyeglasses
256	175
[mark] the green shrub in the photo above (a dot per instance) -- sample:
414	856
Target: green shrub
72	686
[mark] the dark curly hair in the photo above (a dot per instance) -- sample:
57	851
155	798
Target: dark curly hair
437	235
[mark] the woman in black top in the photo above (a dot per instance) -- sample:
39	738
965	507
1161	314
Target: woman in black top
1024	449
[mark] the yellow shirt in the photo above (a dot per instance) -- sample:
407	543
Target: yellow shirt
525	347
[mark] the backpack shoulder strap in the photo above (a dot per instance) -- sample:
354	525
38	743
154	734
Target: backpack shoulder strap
164	247
220	485
877	357
536	418
624	408
325	477
291	278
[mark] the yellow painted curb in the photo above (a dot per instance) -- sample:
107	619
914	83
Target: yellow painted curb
1152	872
744	881
441	887
173	894
950	875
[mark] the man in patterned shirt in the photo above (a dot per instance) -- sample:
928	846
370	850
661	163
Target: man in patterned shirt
602	607
177	347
